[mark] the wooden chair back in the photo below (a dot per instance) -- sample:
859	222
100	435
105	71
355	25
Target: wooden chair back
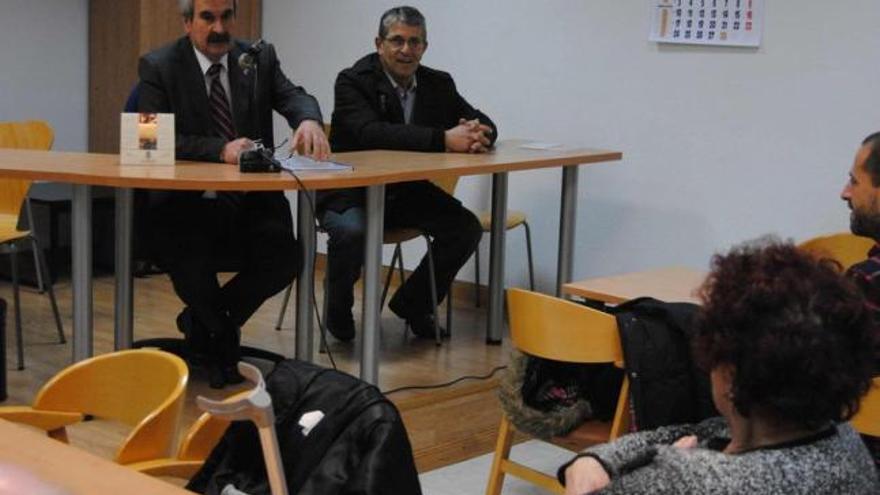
845	248
31	134
867	420
553	328
143	388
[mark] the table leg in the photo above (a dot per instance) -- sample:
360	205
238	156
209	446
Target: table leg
567	211
81	272
305	283
496	258
372	267
123	302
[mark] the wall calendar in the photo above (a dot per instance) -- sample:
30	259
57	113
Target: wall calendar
708	22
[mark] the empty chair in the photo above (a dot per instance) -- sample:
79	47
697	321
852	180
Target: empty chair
197	443
36	135
515	218
142	388
552	328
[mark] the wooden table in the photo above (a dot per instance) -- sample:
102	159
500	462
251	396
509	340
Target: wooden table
66	467
371	169
671	284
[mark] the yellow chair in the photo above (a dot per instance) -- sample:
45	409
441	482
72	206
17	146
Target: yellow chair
13	193
845	248
142	388
553	328
867	420
198	442
515	218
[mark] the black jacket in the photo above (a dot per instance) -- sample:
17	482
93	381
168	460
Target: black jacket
368	115
171	81
665	386
359	447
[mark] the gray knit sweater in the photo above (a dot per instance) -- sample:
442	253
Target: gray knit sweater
833	462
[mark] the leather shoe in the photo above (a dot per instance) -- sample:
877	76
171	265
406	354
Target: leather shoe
423	326
231	375
341	328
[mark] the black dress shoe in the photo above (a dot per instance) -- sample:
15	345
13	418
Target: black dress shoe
341	328
231	375
216	379
423	326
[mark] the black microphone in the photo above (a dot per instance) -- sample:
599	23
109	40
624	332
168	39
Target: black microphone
248	59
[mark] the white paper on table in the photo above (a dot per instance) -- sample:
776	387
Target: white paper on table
299	163
540	145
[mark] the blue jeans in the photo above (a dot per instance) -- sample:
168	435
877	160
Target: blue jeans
455	234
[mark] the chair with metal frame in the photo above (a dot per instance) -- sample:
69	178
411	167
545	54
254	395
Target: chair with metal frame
515	218
560	330
36	135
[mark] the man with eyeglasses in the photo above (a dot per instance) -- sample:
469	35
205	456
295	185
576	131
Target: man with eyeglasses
387	100
220	109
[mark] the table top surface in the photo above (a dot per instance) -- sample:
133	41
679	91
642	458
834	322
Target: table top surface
369	168
670	284
73	470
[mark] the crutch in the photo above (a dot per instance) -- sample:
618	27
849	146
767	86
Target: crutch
256	407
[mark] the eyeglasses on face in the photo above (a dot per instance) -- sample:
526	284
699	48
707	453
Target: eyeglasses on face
397	42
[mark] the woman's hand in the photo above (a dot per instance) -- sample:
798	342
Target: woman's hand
585	475
686	442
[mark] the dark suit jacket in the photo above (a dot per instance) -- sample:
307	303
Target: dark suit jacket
368	115
171	81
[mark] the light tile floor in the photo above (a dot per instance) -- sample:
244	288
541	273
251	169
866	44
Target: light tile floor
469	477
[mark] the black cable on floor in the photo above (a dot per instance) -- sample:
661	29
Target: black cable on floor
447	384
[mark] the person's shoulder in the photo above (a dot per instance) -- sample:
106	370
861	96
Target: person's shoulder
364	66
426	73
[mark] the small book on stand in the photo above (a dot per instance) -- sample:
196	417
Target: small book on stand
146	139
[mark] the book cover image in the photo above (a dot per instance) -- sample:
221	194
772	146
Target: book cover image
146	139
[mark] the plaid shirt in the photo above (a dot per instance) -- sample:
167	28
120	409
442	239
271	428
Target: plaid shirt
866	274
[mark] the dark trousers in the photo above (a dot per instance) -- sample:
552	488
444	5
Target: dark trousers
455	234
194	238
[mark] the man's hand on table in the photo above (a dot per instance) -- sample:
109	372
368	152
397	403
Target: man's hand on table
309	140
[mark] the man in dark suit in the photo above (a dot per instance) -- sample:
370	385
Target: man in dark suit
387	100
220	110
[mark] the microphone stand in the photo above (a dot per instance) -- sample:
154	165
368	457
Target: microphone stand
259	159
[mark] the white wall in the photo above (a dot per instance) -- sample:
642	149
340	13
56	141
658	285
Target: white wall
720	144
45	66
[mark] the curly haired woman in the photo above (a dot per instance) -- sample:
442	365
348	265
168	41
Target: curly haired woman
788	345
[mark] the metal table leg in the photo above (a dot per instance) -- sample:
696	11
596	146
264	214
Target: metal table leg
372	267
567	211
81	233
123	301
305	227
496	258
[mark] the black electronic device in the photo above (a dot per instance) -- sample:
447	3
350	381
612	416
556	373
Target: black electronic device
258	160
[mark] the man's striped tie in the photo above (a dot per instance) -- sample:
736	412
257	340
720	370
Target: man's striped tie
220	105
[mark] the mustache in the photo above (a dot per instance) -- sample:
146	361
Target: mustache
219	38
